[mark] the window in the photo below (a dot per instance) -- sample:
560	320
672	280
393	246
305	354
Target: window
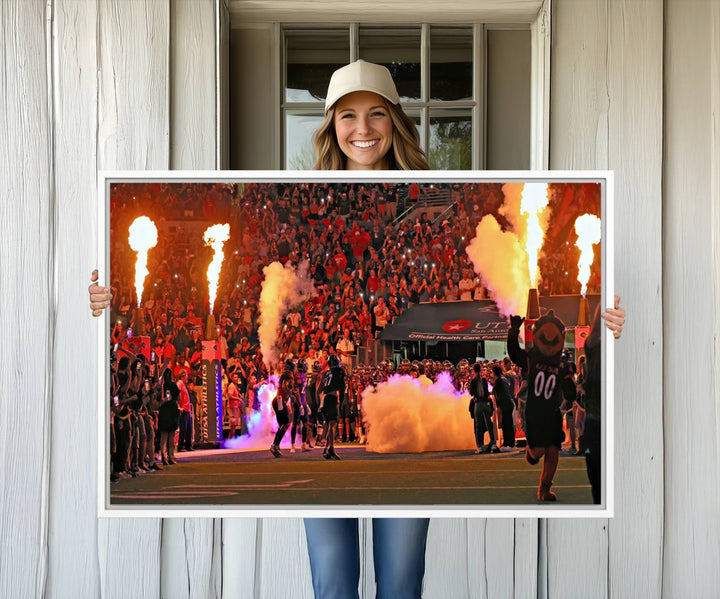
440	74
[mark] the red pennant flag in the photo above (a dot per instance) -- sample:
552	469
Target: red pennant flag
581	335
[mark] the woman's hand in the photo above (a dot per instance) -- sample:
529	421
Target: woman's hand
99	296
615	318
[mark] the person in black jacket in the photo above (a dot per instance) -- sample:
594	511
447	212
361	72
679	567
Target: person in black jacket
481	411
332	391
168	418
503	400
591	439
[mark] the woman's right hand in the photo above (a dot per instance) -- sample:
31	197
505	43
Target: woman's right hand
99	296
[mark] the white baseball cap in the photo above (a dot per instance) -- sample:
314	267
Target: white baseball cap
361	76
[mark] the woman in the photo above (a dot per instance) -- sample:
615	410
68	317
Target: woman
364	129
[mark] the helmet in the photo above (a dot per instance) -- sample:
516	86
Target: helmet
333	361
302	365
428	365
463	366
404	367
389	366
447	365
289	366
414	368
317	367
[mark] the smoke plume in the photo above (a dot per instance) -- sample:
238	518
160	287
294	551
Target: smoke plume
261	424
283	288
404	417
501	261
501	257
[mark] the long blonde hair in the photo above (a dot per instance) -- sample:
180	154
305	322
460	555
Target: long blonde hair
405	155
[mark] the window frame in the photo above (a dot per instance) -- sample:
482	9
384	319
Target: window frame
536	17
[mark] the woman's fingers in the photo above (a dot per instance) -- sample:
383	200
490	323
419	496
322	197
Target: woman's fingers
99	296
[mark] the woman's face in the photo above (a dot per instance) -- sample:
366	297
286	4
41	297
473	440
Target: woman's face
364	130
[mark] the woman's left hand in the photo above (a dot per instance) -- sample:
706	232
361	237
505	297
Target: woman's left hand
615	318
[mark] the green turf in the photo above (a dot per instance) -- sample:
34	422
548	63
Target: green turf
452	478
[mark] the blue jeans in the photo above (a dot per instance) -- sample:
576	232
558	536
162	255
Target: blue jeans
398	552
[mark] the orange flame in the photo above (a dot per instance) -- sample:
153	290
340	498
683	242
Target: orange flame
142	237
534	202
587	228
215	237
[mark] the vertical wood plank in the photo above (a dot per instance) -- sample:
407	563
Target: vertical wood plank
133	134
635	91
240	557
193	85
73	556
691	320
450	544
222	15
27	315
578	140
607	113
283	565
190	567
525	560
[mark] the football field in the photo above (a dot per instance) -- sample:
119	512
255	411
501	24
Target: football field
255	478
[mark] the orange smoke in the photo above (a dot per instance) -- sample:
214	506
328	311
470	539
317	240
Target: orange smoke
282	288
588	231
403	416
507	260
215	237
142	237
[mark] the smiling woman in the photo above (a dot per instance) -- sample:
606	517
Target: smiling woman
364	130
365	127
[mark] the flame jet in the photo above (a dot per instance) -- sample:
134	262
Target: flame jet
142	237
534	203
215	237
588	230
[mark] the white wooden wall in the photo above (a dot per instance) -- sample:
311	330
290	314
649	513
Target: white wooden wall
119	84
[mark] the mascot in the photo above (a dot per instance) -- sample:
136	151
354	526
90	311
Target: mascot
547	383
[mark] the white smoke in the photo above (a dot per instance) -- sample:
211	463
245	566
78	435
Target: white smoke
282	289
402	416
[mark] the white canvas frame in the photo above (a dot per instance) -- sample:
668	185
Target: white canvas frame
605	510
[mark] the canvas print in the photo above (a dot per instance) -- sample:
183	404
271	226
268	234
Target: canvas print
331	341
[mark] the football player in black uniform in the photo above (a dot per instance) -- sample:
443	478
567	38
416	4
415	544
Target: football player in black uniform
300	407
312	400
332	390
282	405
546	387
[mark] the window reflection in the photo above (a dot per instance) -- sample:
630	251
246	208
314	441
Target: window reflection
398	50
450	139
451	63
311	58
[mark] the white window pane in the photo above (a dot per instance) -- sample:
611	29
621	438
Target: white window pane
299	149
450	139
451	63
399	50
312	56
